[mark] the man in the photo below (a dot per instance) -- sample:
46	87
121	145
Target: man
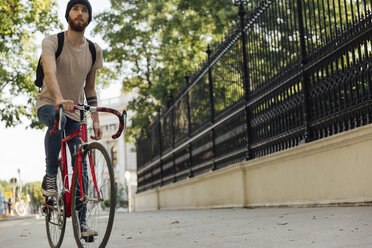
9	206
66	80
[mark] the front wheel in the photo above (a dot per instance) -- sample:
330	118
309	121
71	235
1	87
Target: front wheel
97	208
55	218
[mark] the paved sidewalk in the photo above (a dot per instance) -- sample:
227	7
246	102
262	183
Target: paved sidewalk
232	228
323	227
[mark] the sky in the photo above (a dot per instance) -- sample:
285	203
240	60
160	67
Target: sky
22	148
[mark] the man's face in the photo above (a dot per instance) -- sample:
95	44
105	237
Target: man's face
78	17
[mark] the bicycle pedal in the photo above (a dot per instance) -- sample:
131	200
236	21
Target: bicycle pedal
44	211
50	202
89	239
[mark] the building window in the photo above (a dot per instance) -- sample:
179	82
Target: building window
114	155
112	127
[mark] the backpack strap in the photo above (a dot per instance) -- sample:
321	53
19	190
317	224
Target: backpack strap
40	70
92	49
61	39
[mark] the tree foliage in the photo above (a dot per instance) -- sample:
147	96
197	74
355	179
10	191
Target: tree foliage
20	21
154	44
5	186
36	196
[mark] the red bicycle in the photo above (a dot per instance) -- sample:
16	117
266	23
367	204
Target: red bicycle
91	189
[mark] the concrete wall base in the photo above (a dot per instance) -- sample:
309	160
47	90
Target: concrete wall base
333	171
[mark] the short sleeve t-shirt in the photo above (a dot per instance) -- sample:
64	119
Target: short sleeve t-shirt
73	67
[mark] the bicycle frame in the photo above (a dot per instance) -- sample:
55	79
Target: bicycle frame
81	133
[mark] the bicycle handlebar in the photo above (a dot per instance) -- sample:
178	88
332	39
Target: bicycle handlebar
59	110
122	117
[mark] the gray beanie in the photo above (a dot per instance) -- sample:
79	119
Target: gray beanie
84	2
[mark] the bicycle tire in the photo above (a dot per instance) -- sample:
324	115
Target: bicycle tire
20	208
55	238
99	214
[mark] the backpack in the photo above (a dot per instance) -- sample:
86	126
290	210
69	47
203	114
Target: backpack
61	38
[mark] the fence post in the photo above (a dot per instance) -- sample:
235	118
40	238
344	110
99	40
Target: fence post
139	161
172	141
246	85
305	78
210	80
187	78
149	134
160	148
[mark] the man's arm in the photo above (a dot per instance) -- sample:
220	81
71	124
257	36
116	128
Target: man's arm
50	69
91	95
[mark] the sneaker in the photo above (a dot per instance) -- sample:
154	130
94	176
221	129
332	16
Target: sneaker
49	186
86	231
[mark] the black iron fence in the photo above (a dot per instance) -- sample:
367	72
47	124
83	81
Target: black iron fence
292	72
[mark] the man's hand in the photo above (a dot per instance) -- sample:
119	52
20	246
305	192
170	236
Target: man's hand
97	131
68	105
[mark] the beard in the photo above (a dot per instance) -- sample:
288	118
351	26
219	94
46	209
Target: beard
77	26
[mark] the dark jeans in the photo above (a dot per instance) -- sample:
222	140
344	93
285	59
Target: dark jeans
53	144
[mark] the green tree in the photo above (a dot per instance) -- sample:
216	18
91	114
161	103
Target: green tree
4	185
156	43
120	196
20	22
34	190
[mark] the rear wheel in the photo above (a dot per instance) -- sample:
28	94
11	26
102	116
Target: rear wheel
56	220
97	210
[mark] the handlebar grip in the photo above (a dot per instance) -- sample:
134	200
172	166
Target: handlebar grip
57	119
122	119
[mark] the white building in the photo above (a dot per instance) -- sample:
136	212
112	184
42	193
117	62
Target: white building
123	154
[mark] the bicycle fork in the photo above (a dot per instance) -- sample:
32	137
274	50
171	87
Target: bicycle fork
84	198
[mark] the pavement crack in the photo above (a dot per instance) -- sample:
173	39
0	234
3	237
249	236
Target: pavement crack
282	223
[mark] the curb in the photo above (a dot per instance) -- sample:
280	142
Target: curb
17	217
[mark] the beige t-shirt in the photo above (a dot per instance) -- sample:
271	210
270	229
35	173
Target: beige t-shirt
73	66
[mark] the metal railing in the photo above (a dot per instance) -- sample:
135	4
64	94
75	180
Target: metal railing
291	72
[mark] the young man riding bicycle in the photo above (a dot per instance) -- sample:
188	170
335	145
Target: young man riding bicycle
67	80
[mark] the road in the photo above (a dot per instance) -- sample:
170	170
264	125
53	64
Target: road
325	227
